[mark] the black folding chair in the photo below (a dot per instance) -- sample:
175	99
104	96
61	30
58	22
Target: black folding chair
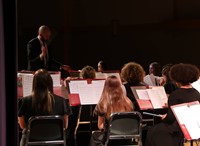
125	128
46	130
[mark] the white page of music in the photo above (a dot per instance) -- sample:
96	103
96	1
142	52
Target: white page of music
56	79
27	81
196	85
98	86
155	98
189	116
87	94
142	94
162	94
100	75
91	93
74	85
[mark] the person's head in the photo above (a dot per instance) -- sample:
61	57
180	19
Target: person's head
44	33
101	66
132	73
165	72
184	74
88	72
113	98
42	90
155	69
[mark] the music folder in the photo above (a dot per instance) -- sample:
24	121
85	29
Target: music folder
25	81
150	97
188	117
85	92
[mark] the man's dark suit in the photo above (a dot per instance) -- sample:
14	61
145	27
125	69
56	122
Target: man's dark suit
34	61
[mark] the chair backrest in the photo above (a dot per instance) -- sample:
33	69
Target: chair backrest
46	130
125	126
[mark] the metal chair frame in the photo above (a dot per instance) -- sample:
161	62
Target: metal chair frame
46	130
124	126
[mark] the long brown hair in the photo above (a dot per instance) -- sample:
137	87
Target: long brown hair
42	90
113	99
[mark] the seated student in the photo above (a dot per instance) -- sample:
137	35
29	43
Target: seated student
168	84
42	101
87	72
102	66
153	78
132	74
112	100
168	132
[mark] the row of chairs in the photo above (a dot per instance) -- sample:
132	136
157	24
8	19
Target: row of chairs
124	129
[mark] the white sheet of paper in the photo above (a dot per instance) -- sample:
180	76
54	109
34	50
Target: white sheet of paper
142	94
74	85
156	100
190	118
196	85
27	81
56	79
91	93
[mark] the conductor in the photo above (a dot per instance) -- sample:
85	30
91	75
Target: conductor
38	53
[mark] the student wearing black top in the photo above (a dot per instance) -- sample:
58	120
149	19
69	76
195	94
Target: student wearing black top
168	132
132	74
112	100
42	101
168	84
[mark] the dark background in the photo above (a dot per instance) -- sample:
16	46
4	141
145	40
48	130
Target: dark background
116	31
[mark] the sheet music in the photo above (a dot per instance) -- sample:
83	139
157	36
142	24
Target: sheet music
90	93
56	79
156	100
98	87
27	81
196	85
188	116
162	94
86	97
142	94
74	85
100	75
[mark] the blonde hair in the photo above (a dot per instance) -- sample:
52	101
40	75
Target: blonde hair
113	99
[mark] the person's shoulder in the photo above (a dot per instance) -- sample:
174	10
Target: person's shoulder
29	97
57	97
33	40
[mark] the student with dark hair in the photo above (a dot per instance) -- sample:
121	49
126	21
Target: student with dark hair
132	74
168	132
42	101
155	69
102	66
153	77
168	84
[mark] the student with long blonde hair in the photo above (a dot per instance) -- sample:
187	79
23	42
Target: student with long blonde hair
112	100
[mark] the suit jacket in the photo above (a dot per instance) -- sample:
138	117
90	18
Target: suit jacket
33	56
